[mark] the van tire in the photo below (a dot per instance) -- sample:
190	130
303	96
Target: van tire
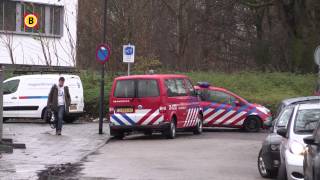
69	120
170	132
43	114
252	124
198	129
147	133
118	135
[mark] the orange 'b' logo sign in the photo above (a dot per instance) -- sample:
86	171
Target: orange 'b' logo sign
30	20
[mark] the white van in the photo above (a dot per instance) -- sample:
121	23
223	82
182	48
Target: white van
26	96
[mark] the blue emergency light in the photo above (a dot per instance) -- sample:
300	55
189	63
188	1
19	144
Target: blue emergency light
203	84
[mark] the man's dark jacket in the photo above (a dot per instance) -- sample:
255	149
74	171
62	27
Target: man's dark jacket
53	98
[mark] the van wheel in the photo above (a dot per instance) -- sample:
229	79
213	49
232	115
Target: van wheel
147	133
198	129
252	124
69	120
44	114
118	135
170	133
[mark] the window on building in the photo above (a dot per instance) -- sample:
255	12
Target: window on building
7	15
50	17
55	20
39	11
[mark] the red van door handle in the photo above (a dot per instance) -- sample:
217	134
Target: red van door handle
14	98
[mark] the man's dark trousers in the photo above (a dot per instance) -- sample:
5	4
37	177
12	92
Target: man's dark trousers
59	117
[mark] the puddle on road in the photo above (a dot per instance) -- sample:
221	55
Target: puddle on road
66	172
63	171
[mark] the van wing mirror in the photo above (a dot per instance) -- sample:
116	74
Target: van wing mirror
282	132
194	93
310	140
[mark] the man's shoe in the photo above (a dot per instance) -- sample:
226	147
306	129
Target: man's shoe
58	133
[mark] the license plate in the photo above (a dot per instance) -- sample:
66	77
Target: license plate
125	110
73	107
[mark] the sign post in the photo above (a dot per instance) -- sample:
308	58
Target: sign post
128	55
102	56
317	56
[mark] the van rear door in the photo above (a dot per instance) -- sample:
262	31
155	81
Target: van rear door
76	93
136	102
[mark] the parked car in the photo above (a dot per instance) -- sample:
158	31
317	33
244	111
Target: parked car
26	96
302	123
222	108
269	155
311	163
297	100
149	103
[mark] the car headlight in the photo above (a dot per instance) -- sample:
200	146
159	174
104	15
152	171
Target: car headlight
275	147
296	148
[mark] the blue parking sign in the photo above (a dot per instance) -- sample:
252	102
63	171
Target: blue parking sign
128	53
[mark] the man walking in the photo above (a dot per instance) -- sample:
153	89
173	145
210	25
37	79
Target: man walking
59	101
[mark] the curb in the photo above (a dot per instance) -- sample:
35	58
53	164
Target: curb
99	146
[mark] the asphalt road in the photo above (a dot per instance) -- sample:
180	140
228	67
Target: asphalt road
216	154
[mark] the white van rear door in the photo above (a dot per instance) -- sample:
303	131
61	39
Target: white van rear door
76	93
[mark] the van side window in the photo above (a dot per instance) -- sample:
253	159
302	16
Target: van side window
125	89
148	88
181	88
10	87
190	87
175	87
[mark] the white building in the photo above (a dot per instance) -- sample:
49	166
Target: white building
52	43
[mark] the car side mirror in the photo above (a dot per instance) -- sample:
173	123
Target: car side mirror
310	140
282	132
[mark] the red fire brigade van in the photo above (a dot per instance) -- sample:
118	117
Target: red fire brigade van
149	103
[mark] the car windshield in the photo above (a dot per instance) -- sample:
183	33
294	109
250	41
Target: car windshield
306	120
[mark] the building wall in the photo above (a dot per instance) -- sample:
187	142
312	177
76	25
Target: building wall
43	49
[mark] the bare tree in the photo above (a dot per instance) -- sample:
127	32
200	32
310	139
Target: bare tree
7	41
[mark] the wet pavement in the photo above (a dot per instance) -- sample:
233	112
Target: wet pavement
45	149
216	154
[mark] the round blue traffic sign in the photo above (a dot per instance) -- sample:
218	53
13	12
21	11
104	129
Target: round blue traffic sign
103	53
128	51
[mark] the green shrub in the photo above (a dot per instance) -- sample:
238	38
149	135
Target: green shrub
267	89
